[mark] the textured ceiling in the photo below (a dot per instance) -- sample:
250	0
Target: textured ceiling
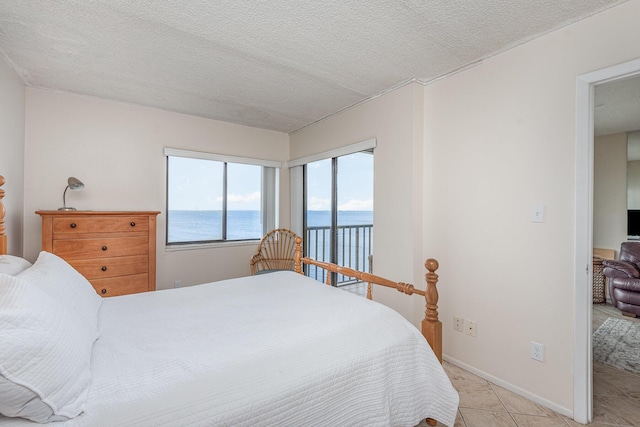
274	64
617	106
617	110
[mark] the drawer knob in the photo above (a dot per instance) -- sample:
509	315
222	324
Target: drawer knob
73	225
104	268
104	291
133	224
104	248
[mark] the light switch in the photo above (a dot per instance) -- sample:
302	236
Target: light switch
537	213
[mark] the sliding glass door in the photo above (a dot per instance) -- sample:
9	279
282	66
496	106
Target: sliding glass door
338	212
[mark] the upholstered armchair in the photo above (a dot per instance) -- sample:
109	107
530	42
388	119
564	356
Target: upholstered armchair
276	251
624	279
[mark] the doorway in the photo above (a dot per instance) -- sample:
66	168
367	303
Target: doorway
583	364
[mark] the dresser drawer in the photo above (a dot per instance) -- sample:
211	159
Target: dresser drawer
101	247
124	285
111	267
107	224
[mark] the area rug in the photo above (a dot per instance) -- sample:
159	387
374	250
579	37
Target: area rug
617	343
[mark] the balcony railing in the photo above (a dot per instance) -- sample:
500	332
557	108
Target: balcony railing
355	246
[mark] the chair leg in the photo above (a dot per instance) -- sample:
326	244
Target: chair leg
626	313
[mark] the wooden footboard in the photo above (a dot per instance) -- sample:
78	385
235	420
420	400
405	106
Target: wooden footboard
3	231
431	326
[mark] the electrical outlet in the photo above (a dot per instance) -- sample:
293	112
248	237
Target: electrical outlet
457	323
177	284
470	327
537	351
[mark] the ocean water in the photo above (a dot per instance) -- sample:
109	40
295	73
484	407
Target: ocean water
323	218
202	226
205	226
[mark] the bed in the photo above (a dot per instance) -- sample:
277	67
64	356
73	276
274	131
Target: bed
277	349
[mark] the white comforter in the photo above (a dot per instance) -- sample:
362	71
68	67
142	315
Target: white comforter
276	349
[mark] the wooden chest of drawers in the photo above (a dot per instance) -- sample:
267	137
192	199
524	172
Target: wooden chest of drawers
115	251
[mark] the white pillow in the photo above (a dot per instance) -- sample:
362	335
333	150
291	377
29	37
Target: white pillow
57	278
45	355
13	265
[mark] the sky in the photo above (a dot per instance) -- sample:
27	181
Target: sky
196	184
355	183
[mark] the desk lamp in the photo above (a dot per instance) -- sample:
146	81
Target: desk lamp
73	185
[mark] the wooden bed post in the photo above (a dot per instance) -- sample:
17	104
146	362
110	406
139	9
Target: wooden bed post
3	231
431	326
297	258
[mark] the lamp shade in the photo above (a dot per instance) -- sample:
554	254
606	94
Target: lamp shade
75	183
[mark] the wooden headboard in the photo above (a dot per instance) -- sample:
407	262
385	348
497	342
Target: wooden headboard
3	231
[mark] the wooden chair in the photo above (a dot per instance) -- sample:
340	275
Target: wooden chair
275	252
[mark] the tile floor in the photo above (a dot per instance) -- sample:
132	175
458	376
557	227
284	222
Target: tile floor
616	393
483	404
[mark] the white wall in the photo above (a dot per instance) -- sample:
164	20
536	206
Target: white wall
117	151
395	120
12	99
610	191
500	138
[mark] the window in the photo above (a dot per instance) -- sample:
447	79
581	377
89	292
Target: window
214	198
332	206
338	212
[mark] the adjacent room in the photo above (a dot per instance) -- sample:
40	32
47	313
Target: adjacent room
383	134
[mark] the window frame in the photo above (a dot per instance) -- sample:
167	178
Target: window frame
298	185
268	192
334	223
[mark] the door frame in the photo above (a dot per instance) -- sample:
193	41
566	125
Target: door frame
583	358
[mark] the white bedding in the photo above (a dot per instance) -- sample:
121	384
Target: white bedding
277	349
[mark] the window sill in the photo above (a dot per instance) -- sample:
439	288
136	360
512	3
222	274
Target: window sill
211	245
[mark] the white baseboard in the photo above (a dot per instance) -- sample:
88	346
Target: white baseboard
517	390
